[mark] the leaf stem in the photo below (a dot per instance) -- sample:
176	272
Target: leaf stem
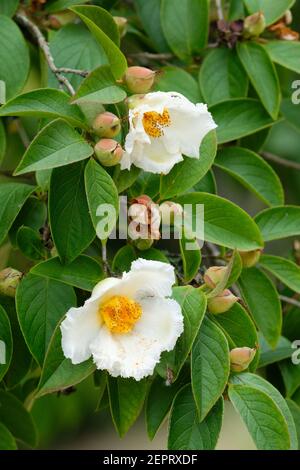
290	301
281	161
219	10
36	33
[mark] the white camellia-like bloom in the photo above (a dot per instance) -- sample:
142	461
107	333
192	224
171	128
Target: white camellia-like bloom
126	323
164	126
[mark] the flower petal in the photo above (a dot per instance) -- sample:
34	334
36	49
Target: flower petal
136	354
78	329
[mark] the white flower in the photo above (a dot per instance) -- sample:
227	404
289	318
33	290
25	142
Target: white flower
163	128
126	323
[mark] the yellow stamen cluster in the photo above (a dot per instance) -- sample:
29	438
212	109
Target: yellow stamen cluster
120	314
154	122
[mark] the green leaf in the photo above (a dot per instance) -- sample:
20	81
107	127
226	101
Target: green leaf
285	53
269	355
33	214
2	141
224	222
123	179
295	410
177	79
123	259
44	103
70	222
236	10
262	74
16	419
222	76
160	399
100	24
6	343
57	144
238	118
285	270
191	257
291	324
263	301
126	398
9	7
185	25
235	269
207	184
210	366
100	189
58	372
149	14
21	357
154	254
31	244
7	441
238	327
291	113
15	55
41	303
74	46
291	376
279	222
261	416
260	384
193	306
186	432
186	174
146	183
53	6
253	172
43	179
12	198
99	87
84	272
271	10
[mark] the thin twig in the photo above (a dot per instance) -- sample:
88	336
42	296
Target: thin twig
34	30
281	161
289	300
22	133
219	10
82	73
151	56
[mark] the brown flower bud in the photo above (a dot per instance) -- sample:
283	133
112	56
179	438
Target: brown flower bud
214	275
241	358
254	24
250	258
106	125
139	79
145	219
122	24
108	152
9	281
222	302
169	210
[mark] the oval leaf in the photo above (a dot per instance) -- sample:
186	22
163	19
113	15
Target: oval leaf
6	343
210	366
285	270
279	222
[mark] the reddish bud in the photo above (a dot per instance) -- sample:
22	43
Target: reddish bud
106	125
139	79
222	302
241	358
214	275
108	152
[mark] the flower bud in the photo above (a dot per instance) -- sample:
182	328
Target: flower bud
222	302
122	23
169	210
241	358
254	24
143	244
250	258
214	275
139	79
108	152
288	17
9	281
106	125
